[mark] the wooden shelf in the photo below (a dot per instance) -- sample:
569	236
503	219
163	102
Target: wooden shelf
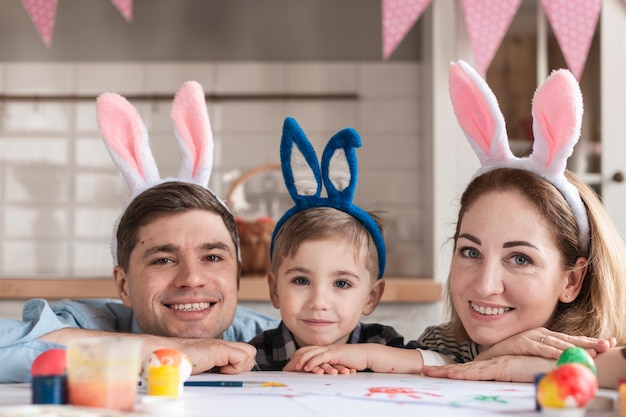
399	290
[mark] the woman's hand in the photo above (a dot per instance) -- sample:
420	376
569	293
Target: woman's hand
546	344
502	368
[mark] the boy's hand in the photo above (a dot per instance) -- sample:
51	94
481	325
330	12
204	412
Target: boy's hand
332	359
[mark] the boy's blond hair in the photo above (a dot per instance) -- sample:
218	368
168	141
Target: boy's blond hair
324	223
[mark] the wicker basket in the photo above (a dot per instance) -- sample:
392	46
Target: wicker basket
255	234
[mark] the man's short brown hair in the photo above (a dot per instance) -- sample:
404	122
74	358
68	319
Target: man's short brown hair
168	197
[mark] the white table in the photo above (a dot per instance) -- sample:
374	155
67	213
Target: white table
362	394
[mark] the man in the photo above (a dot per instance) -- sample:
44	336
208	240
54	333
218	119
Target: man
176	274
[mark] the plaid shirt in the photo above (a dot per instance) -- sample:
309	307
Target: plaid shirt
275	347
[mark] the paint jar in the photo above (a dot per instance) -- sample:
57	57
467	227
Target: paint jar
104	372
164	380
49	389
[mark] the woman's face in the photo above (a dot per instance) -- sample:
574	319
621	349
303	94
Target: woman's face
506	274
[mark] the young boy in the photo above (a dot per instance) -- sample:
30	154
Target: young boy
327	256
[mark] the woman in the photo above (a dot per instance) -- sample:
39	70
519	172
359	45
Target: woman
534	247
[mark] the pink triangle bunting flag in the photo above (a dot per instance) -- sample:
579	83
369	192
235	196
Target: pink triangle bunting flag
42	13
125	7
487	22
574	23
398	18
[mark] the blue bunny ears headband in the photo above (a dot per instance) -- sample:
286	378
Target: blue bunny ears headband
126	138
338	174
557	109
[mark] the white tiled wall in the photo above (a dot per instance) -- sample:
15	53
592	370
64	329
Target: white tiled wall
60	193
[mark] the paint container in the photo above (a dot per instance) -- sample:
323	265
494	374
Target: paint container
104	372
49	389
164	380
536	379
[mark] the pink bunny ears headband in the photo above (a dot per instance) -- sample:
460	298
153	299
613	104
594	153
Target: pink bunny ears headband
126	139
557	109
338	174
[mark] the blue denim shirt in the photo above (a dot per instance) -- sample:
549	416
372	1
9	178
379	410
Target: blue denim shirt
19	344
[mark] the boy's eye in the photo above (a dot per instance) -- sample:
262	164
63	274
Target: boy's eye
300	281
342	283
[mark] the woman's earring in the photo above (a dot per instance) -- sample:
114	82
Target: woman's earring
567	296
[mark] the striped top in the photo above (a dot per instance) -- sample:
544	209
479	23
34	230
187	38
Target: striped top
440	339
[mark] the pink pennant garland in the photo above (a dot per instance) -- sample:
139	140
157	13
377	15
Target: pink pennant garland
574	23
487	22
125	7
398	18
42	13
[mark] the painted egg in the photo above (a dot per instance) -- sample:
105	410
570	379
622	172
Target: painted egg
577	354
167	356
571	385
51	362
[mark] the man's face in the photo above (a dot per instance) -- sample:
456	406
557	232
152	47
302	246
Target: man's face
182	276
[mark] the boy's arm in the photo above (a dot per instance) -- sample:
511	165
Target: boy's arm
345	358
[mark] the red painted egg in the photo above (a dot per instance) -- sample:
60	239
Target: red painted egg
50	362
568	386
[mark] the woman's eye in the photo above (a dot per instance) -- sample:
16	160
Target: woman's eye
520	260
342	283
300	281
469	252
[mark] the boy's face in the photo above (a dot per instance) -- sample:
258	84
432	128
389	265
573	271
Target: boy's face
182	276
323	290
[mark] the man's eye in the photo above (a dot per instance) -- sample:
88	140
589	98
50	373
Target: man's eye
213	258
342	283
162	261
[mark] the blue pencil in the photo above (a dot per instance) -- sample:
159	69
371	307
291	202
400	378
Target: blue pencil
233	384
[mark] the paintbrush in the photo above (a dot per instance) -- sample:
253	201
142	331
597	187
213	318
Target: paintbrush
233	384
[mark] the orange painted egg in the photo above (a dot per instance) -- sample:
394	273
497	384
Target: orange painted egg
167	356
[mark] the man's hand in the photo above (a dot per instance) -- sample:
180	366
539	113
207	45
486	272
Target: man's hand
207	354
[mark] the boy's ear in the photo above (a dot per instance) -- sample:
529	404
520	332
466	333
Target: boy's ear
271	281
121	285
376	292
575	279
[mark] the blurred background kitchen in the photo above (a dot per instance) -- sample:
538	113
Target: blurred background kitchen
320	61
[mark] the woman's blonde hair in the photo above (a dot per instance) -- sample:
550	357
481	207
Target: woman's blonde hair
599	309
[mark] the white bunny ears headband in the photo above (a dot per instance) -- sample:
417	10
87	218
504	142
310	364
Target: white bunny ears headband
303	178
126	139
557	116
